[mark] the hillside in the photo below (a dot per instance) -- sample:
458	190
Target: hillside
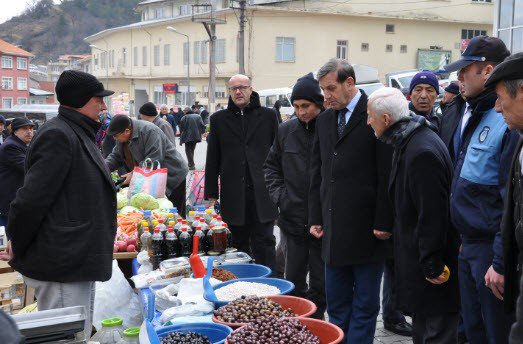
47	30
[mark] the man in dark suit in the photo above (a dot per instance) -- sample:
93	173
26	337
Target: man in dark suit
12	158
238	144
348	203
62	222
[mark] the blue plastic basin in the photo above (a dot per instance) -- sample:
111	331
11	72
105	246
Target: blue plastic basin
247	270
284	286
217	333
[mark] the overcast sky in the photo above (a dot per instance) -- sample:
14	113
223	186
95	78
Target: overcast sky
11	8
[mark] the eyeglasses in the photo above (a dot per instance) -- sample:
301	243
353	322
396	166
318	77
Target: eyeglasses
238	88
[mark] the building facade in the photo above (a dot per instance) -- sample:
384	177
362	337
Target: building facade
65	62
508	23
14	72
283	41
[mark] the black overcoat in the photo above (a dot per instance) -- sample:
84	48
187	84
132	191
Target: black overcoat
348	192
12	158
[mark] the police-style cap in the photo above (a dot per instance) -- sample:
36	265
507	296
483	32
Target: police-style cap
510	69
480	48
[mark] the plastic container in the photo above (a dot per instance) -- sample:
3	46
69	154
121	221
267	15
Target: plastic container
219	236
130	336
157	248
145	240
247	270
327	332
178	226
217	333
171	243
236	258
284	286
299	306
111	332
185	241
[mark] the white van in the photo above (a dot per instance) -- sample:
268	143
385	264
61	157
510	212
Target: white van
269	97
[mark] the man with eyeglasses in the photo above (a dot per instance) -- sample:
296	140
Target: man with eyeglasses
482	147
238	143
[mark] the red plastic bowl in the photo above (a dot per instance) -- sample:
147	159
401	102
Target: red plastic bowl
299	306
325	331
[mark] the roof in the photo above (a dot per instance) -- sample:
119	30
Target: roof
37	92
70	56
147	2
8	48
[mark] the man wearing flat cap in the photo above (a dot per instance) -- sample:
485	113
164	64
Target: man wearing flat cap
507	79
482	147
149	113
451	91
62	222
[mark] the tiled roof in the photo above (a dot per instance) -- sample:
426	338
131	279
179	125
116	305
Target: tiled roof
7	48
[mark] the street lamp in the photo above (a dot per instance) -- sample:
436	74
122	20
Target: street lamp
92	46
170	28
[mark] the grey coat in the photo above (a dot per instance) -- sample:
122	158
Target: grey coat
166	127
148	141
191	128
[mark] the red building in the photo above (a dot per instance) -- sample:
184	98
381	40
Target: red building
14	72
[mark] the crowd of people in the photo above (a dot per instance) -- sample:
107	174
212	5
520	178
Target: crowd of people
364	188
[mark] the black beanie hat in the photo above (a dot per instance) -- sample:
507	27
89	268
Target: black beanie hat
148	109
75	88
118	124
307	88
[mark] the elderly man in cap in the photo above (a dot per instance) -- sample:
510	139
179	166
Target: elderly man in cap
62	223
507	79
139	140
12	158
482	146
451	91
149	113
423	90
287	175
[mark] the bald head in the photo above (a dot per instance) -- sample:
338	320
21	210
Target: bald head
240	90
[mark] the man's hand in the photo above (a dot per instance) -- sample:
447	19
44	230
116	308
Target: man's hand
7	255
317	231
128	177
382	235
495	282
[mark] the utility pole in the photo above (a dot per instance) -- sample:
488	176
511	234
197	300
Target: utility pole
212	56
241	43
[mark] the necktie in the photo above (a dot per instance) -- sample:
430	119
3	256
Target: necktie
342	122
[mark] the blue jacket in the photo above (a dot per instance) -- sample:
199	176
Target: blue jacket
480	176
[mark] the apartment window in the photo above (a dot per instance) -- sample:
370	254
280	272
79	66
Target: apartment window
220	51
96	61
7	103
7	83
21	101
185	10
135	56
185	53
489	1
124	57
469	34
389	28
56	69
156	55
403	49
341	49
158	13
21	84
7	62
166	54
103	59
388	48
143	15
196	52
201	52
219	92
21	63
111	58
144	56
285	47
364	46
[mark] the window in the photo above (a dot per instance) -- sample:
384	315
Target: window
7	83
158	13
220	51
21	63
196	52
341	49
56	69
388	48
166	54
144	56
21	101
156	55
219	92
143	15
468	34
364	46
103	59
111	59
7	62
7	103
185	53
389	28
96	61
124	57
21	84
201	51
285	49
482	1
135	56
403	49
185	10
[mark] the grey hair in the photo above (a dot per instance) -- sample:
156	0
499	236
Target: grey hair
389	100
164	106
341	66
513	87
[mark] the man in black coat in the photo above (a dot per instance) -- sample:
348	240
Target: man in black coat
238	144
191	130
348	203
287	175
507	78
12	158
425	246
62	222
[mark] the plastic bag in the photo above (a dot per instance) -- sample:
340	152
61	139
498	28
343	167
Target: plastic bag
189	309
115	298
145	263
165	298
